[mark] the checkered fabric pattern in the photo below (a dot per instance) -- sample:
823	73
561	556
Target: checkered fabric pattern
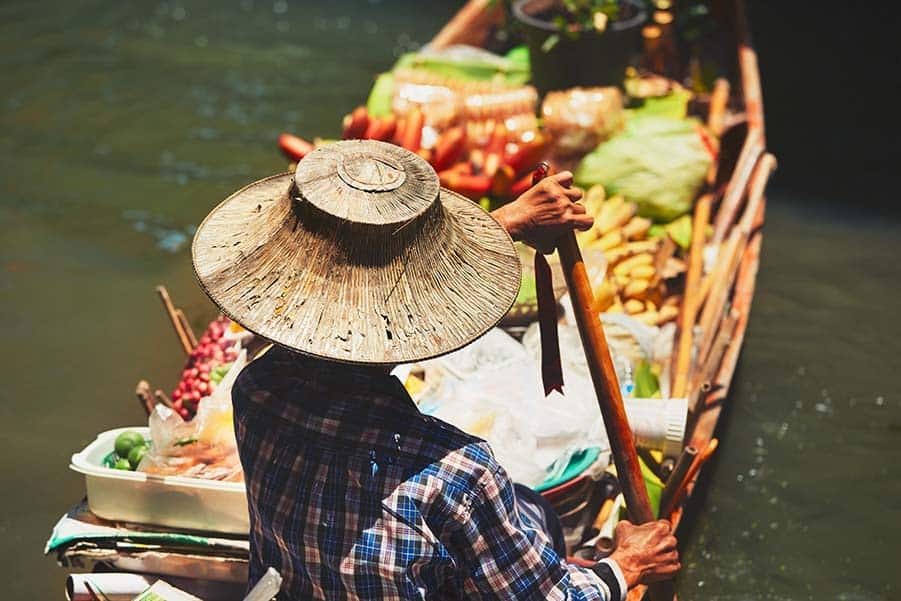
354	494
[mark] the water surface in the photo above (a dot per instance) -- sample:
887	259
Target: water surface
122	124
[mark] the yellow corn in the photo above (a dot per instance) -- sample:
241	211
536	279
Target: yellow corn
604	296
610	240
667	313
642	272
648	317
633	306
594	199
636	289
625	251
625	266
617	218
636	228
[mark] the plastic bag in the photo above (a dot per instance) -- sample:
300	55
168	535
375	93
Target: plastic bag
657	162
204	447
492	390
581	118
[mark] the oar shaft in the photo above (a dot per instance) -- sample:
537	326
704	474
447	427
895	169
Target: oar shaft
603	375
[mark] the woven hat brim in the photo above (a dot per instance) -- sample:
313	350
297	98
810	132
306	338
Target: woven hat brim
296	287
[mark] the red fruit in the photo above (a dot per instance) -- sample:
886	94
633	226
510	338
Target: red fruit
205	340
203	387
177	404
176	395
204	377
183	413
355	124
413	130
293	147
194	372
196	395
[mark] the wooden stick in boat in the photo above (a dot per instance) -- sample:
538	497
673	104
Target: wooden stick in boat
162	399
690	302
686	458
731	253
679	494
735	190
719	100
470	25
142	392
186	326
173	318
705	381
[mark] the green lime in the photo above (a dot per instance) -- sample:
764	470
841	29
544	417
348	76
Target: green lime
135	456
122	464
128	440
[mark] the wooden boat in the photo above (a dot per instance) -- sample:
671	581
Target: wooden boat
716	307
737	193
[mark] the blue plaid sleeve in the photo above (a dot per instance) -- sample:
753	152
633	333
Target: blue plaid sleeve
504	556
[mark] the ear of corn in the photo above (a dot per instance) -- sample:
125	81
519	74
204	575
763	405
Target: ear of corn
634	283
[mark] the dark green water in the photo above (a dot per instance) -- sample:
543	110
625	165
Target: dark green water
122	124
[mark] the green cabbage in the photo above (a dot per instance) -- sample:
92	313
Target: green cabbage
657	162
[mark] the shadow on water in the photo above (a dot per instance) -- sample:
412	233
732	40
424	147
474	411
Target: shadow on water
122	124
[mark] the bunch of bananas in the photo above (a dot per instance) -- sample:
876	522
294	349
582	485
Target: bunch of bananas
638	264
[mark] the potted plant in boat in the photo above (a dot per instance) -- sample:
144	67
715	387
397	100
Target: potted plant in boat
580	42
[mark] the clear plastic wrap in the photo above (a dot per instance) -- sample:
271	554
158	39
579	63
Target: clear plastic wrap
204	447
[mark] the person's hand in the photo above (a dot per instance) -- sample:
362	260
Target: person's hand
645	553
545	212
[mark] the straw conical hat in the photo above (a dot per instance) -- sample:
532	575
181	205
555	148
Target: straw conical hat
359	257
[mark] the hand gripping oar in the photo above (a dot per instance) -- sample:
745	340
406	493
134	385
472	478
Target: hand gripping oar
606	387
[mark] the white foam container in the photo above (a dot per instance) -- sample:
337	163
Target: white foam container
172	501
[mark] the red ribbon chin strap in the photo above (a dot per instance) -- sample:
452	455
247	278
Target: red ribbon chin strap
551	366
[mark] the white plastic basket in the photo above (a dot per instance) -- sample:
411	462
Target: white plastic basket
171	501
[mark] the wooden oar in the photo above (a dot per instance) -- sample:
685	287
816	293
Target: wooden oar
606	387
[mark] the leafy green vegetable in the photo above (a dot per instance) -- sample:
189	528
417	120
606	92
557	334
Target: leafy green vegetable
680	231
657	162
646	383
379	102
672	106
217	374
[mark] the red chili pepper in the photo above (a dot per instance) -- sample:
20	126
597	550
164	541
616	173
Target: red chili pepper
294	147
471	186
412	139
528	154
355	124
381	129
448	148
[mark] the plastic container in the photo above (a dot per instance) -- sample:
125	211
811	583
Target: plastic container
658	423
171	501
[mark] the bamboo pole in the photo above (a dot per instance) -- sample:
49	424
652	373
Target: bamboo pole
690	301
731	253
186	326
735	190
173	318
682	488
719	101
679	471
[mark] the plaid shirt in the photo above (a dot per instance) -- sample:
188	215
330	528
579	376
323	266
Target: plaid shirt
354	494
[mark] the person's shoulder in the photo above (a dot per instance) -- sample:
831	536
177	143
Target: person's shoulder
259	376
461	459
